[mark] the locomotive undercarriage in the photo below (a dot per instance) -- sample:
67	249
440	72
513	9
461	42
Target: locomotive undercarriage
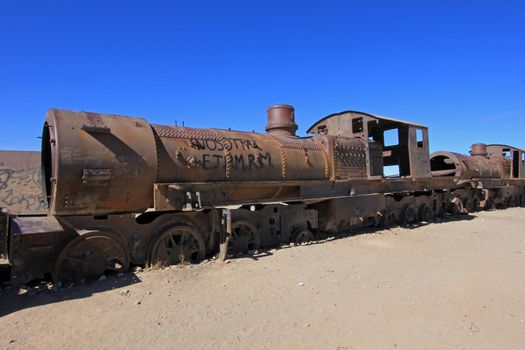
78	248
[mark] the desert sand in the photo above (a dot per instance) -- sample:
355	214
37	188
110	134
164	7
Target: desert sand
451	285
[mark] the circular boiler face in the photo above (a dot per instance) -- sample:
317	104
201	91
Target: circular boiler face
100	164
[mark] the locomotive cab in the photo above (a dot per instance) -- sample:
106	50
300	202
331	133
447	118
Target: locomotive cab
395	148
515	156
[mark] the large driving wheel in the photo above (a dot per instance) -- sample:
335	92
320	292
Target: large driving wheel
177	245
90	255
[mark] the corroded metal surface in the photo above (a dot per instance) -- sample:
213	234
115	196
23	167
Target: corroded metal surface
408	154
466	167
515	167
281	120
98	164
484	162
350	160
21	182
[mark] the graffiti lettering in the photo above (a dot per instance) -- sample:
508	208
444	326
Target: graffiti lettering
21	190
239	162
228	144
197	144
266	158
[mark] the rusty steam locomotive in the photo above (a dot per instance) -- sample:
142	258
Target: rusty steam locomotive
122	191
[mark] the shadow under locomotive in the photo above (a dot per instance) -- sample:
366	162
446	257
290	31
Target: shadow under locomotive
41	292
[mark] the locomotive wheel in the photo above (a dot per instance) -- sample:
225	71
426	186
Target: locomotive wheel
177	245
409	215
389	219
302	236
469	205
90	255
455	207
441	210
425	213
489	204
244	238
476	204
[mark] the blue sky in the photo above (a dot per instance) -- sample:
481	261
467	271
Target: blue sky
456	66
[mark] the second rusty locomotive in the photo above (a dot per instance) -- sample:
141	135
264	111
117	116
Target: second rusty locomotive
122	191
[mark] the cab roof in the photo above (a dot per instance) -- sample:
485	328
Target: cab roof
382	119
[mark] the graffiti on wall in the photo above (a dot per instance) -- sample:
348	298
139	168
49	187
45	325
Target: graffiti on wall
21	183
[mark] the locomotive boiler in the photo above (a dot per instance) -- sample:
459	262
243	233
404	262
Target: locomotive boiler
102	164
476	166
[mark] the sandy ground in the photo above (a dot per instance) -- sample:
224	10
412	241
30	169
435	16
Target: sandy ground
453	285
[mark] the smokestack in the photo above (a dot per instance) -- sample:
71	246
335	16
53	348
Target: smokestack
479	149
281	120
